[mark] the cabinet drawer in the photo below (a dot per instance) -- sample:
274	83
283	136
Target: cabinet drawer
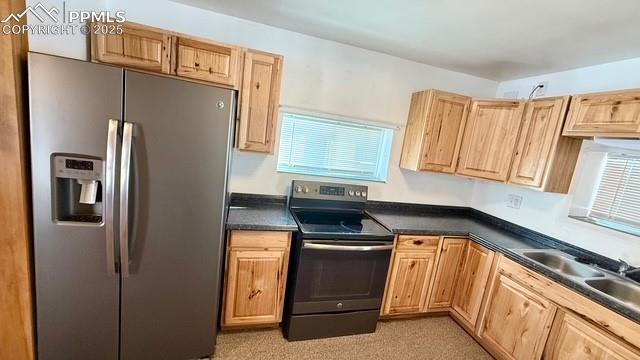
408	242
242	239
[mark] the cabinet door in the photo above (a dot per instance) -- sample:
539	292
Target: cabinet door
611	114
472	282
207	61
490	138
516	321
260	99
137	47
573	338
434	131
540	132
449	263
254	287
409	282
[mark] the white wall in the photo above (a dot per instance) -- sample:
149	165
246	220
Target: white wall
547	213
336	78
321	75
610	76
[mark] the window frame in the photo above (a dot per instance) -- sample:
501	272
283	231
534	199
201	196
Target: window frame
608	222
383	162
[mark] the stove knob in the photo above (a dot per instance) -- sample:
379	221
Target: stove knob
364	194
351	193
357	193
298	188
306	189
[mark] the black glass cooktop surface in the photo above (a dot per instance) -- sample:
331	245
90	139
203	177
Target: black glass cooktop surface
338	223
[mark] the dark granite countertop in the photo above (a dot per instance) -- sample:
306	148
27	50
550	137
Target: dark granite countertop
498	235
259	212
267	212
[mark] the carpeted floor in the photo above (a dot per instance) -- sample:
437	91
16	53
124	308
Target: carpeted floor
423	338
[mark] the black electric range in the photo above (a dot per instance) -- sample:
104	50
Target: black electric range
339	262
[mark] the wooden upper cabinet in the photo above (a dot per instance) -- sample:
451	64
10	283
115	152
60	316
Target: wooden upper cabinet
409	280
608	114
259	101
446	276
207	61
489	139
138	46
573	338
472	281
545	159
516	321
434	131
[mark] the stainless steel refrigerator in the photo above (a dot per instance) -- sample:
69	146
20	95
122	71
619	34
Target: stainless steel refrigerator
129	175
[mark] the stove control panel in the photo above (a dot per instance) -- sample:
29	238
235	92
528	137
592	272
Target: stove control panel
328	191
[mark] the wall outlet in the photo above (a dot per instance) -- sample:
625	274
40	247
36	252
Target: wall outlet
514	201
540	91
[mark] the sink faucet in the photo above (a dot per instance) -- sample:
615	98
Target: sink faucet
625	269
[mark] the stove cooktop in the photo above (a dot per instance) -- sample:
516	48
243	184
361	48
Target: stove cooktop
324	223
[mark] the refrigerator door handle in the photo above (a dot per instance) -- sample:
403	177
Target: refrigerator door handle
125	175
110	178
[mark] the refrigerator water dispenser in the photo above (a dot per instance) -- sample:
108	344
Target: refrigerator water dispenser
78	189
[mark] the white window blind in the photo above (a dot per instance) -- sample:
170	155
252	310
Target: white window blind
618	197
324	147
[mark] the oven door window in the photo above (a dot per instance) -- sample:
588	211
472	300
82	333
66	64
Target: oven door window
334	276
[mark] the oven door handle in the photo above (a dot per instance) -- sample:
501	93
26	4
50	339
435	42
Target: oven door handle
316	246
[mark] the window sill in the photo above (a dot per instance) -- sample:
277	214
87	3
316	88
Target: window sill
608	224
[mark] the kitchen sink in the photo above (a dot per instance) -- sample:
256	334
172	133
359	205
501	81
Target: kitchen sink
563	264
626	292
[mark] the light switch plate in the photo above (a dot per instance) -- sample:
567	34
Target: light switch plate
514	201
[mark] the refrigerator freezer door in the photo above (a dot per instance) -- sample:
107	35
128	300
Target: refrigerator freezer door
77	296
179	158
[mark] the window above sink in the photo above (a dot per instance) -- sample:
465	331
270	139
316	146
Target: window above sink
608	189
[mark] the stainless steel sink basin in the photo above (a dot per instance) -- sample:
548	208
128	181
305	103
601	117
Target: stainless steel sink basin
563	264
624	291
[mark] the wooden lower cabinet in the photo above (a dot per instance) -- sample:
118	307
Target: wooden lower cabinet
472	282
573	338
515	322
410	274
255	277
512	311
446	276
409	280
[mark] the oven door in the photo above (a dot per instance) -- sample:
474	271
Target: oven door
341	275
